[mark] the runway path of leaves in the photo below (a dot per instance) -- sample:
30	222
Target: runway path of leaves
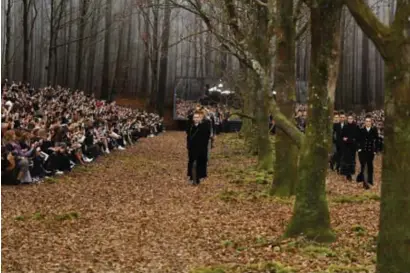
134	211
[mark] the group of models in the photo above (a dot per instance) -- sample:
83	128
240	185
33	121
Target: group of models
349	138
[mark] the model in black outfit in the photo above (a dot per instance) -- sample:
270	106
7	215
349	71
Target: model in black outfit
339	124
198	134
349	137
367	148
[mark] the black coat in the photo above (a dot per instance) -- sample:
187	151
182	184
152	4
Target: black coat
198	139
350	131
337	133
367	140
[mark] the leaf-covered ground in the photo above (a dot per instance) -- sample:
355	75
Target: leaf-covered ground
135	212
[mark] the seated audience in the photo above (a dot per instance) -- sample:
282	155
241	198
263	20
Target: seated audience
49	131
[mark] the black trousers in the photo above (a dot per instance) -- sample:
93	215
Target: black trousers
348	160
58	162
201	165
38	168
366	159
336	156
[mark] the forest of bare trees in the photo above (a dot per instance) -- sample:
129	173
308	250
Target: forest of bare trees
327	54
141	48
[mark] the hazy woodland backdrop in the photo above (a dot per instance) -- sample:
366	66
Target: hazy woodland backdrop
141	47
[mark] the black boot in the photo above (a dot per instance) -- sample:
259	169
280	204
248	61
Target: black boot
360	178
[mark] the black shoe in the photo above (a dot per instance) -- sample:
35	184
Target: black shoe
366	186
359	178
349	178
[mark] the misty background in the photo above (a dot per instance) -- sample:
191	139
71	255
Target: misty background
146	48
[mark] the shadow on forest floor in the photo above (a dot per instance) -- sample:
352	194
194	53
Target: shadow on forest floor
134	211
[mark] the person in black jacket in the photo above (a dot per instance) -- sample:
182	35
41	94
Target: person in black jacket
349	137
367	148
334	163
337	140
198	134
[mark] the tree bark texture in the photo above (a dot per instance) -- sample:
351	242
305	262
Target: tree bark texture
285	175
311	212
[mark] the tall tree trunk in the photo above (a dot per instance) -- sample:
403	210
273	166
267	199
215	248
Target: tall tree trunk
6	72
34	13
393	253
393	43
91	54
17	68
311	212
208	54
68	56
105	84
163	71
80	44
129	53
286	152
202	59
61	8
365	74
51	43
342	72
187	54
145	67
247	93
195	45
353	87
26	39
42	46
119	61
154	56
261	48
138	63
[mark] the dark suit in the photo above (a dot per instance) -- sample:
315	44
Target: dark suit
348	161
197	144
337	146
367	147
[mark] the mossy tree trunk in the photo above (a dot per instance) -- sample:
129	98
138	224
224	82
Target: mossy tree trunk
247	107
286	151
265	155
250	40
393	43
393	252
311	213
261	48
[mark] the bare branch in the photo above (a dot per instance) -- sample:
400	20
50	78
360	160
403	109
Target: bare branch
259	2
243	115
370	24
288	127
187	37
233	19
302	30
298	9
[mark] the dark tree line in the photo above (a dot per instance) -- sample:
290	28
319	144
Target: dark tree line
142	47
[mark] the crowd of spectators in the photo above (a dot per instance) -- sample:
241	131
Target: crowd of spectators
183	108
48	131
301	115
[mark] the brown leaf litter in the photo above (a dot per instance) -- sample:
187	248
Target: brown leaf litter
134	211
